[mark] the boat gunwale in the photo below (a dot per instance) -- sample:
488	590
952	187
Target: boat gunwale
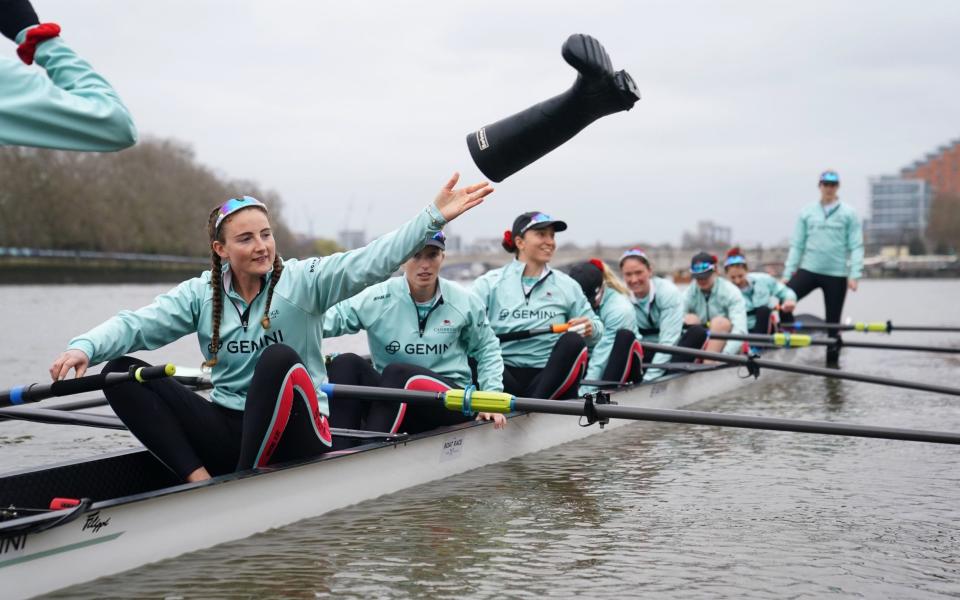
16	526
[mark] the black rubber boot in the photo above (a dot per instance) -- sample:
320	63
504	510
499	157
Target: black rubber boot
505	147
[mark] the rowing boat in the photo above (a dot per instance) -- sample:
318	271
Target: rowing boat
135	512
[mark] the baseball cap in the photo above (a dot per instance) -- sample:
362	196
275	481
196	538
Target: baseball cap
702	265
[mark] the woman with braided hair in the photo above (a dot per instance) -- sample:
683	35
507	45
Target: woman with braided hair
259	321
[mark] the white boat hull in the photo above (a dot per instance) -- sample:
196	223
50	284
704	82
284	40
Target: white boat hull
119	535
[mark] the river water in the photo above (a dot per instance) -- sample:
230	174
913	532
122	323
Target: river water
646	510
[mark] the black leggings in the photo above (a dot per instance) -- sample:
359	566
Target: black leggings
762	326
834	292
558	380
186	431
350	369
625	364
694	336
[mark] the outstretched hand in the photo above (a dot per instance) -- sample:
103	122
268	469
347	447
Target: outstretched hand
454	202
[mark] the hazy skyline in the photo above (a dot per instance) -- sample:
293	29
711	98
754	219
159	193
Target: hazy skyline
743	104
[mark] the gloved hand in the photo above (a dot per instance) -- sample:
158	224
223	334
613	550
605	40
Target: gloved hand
15	16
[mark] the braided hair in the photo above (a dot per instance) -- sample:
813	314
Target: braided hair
216	282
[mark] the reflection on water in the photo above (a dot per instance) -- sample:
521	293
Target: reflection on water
658	510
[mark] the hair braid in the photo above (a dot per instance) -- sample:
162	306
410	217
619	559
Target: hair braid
216	282
277	271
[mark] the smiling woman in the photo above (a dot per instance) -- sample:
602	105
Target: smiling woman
266	373
527	295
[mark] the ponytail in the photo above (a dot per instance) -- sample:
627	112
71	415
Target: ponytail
508	243
609	278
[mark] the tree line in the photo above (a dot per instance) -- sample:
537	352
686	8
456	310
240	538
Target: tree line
153	198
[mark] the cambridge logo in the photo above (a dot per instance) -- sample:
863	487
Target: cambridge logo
393	347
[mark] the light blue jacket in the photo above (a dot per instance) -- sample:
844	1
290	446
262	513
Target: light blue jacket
763	290
555	299
659	319
616	312
827	243
69	107
456	328
724	300
307	288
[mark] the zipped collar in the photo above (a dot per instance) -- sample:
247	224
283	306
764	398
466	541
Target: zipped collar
519	267
233	296
437	302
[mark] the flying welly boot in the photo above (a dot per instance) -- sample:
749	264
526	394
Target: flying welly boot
505	147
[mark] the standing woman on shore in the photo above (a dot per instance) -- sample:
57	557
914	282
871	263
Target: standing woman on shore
826	252
527	294
258	320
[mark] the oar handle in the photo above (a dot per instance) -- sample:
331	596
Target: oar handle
785	340
527	333
38	391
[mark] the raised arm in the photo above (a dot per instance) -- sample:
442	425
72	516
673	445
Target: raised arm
339	276
70	107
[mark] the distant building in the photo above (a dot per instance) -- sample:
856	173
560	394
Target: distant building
899	211
940	169
485	246
352	238
708	235
454	243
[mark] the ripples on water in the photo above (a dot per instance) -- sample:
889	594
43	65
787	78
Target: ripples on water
657	510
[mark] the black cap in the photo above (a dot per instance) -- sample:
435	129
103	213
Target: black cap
535	220
702	265
590	278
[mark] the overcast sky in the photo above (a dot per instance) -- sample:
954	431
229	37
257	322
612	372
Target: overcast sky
367	104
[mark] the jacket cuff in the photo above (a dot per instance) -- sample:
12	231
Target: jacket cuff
436	219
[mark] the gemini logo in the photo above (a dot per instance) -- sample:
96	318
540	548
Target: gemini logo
393	347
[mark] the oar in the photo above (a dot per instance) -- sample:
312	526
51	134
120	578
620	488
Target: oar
877	326
35	392
754	365
63	415
468	402
799	340
522	335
